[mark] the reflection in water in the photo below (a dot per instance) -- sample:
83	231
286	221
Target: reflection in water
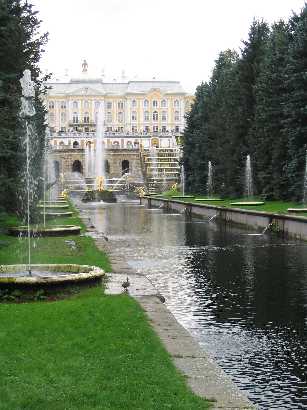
243	297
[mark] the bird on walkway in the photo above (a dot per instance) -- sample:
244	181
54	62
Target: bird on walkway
126	284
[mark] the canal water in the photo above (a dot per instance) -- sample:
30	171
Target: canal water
243	297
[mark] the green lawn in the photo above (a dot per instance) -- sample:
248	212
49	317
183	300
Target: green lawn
87	352
269	206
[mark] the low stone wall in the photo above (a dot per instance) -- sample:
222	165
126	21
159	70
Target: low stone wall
287	225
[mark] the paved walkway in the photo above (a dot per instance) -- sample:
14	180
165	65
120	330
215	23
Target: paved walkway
203	375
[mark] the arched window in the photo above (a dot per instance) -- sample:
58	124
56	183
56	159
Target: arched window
63	116
75	104
75	144
146	103
163	104
120	116
164	116
61	144
155	103
133	103
176	103
75	119
86	117
109	116
146	116
133	116
120	105
63	105
109	105
97	104
77	166
129	144
106	167
86	105
177	116
125	166
51	104
56	167
155	116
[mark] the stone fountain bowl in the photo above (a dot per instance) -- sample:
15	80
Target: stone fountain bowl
43	274
54	230
57	214
55	206
248	203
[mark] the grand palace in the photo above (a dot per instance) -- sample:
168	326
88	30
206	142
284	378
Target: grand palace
138	115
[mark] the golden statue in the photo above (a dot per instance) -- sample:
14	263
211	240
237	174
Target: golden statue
100	183
174	187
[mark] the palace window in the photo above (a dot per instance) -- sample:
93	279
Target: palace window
155	103
51	117
97	104
63	105
147	129
164	116
63	116
86	117
134	129
146	116
155	116
177	128
120	105
109	105
176	103
146	103
75	119
133	103
86	104
120	116
75	144
109	116
133	116
163	128
155	128
163	103
51	104
75	104
177	116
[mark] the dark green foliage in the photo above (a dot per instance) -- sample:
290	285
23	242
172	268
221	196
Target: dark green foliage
21	47
256	104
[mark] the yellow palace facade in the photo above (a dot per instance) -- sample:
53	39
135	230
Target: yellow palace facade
137	113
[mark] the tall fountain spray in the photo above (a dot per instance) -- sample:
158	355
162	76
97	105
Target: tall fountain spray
100	155
182	180
248	178
27	111
210	180
305	182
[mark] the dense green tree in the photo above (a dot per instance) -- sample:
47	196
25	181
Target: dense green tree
21	47
269	143
295	108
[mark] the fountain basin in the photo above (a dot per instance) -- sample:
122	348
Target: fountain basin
62	206
56	214
248	203
183	196
55	230
49	203
44	274
297	209
208	199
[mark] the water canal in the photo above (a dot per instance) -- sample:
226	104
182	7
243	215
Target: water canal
243	297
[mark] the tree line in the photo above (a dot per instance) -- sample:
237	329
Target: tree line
21	47
255	103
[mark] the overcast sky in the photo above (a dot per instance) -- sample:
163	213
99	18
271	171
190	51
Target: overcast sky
165	39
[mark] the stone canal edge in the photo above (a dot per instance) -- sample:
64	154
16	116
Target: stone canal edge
203	375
